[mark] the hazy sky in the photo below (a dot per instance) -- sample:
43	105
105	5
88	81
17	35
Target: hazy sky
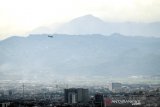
21	16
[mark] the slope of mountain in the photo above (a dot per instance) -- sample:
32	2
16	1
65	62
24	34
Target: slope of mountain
39	57
42	30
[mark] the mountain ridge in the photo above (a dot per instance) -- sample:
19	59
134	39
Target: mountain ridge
90	24
39	56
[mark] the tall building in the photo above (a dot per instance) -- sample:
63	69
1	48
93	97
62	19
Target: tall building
99	100
76	95
114	87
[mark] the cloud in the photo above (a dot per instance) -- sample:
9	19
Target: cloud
136	77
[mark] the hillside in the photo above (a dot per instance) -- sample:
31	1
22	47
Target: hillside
39	57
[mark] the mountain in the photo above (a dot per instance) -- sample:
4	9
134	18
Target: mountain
83	25
90	24
50	29
71	57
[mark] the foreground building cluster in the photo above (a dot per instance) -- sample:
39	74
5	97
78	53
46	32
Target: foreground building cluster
116	95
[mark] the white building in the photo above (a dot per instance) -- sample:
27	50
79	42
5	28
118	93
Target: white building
114	87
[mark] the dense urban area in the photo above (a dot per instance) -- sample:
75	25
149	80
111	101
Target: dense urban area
68	95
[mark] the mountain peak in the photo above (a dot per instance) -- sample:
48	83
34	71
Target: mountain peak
89	24
88	17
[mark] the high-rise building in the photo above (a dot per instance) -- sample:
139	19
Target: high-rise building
114	87
76	95
99	100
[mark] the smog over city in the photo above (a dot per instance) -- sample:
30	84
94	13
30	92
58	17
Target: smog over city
79	53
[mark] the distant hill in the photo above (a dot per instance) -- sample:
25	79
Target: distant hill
90	24
48	57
